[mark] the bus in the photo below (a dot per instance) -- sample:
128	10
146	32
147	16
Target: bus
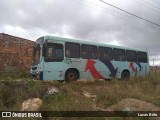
64	59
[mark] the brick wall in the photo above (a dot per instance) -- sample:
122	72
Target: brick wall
13	53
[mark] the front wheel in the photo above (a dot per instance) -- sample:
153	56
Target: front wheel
71	75
125	75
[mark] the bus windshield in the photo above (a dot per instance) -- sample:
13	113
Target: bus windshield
36	54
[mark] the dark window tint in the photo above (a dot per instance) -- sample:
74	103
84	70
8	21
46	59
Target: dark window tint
89	52
105	53
119	54
72	50
142	57
131	56
54	52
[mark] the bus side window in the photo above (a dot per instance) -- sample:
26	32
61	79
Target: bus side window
54	52
94	55
84	54
58	53
119	54
67	53
131	56
142	57
104	56
89	51
105	53
72	50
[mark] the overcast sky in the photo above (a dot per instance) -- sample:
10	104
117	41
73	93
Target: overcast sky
85	19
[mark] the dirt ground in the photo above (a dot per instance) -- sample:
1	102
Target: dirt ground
129	104
134	105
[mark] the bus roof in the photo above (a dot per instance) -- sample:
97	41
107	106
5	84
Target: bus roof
55	38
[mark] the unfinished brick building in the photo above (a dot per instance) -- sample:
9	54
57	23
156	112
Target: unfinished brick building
15	53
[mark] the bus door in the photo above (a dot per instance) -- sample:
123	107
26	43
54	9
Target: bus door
53	59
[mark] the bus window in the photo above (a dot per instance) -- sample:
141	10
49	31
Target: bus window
72	50
119	54
68	53
50	52
131	56
142	57
54	52
105	53
89	52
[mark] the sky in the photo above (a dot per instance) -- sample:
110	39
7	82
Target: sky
90	20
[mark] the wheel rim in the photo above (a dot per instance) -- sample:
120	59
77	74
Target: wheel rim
125	75
71	76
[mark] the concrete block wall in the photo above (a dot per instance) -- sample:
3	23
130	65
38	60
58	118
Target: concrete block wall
15	53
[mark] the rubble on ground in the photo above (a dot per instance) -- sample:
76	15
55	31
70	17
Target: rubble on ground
31	104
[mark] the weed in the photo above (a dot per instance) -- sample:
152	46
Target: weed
34	88
158	101
13	75
71	98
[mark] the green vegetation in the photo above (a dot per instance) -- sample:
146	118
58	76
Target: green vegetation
13	75
71	97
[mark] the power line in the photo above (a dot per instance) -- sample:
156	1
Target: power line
90	6
151	5
131	13
146	5
106	10
150	8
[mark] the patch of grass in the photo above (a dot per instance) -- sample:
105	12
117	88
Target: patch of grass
6	98
34	88
13	75
158	101
71	98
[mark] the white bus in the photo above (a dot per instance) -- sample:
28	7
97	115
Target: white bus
57	58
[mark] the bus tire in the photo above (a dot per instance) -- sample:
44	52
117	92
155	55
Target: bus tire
125	75
71	75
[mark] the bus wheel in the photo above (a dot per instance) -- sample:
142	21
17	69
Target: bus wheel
71	75
125	75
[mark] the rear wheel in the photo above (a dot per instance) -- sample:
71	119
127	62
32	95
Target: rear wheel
71	75
125	75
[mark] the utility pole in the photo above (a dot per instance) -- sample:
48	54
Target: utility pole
153	65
